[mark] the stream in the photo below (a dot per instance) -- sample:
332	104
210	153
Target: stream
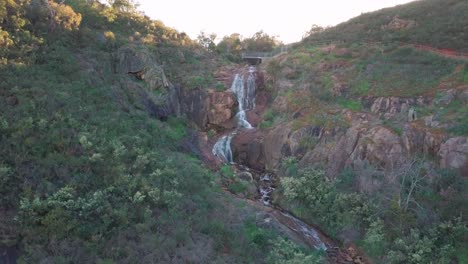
243	86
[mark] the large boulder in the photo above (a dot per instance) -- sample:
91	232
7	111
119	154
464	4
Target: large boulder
379	146
275	146
454	153
210	109
221	107
247	147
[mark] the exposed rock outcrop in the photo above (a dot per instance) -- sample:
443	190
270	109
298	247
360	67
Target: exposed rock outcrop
422	140
388	107
131	93
399	24
248	149
380	146
276	147
210	109
221	107
454	153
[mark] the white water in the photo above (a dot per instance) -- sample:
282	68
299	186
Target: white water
307	231
246	100
222	149
265	188
245	97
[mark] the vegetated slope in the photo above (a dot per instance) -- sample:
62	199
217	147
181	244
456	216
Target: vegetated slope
359	129
437	23
88	171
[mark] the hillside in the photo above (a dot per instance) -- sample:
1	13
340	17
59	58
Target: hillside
98	165
436	23
352	147
367	131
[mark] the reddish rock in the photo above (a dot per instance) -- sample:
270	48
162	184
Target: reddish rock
221	108
275	147
247	148
255	116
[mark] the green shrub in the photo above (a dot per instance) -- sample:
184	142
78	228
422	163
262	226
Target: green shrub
332	209
220	87
286	252
354	105
237	187
226	171
375	242
256	236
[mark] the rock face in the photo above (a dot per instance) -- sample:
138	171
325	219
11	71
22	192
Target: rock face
276	147
248	149
130	93
339	155
420	139
388	107
221	107
210	109
454	153
195	105
379	146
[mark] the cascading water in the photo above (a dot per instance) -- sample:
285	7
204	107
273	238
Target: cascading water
222	149
266	188
308	232
246	100
245	95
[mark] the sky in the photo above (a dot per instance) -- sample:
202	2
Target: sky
288	20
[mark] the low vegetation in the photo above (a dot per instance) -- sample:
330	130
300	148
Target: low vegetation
436	23
406	220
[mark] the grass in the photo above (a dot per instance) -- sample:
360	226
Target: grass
351	104
402	72
237	187
437	23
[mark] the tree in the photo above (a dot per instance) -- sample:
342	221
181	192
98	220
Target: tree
314	29
207	41
261	42
126	6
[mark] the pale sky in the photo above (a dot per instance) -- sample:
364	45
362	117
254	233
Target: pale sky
288	20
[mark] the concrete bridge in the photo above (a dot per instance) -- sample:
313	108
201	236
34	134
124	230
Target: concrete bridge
255	58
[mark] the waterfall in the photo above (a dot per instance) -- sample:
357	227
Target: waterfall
245	95
245	98
266	188
222	148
